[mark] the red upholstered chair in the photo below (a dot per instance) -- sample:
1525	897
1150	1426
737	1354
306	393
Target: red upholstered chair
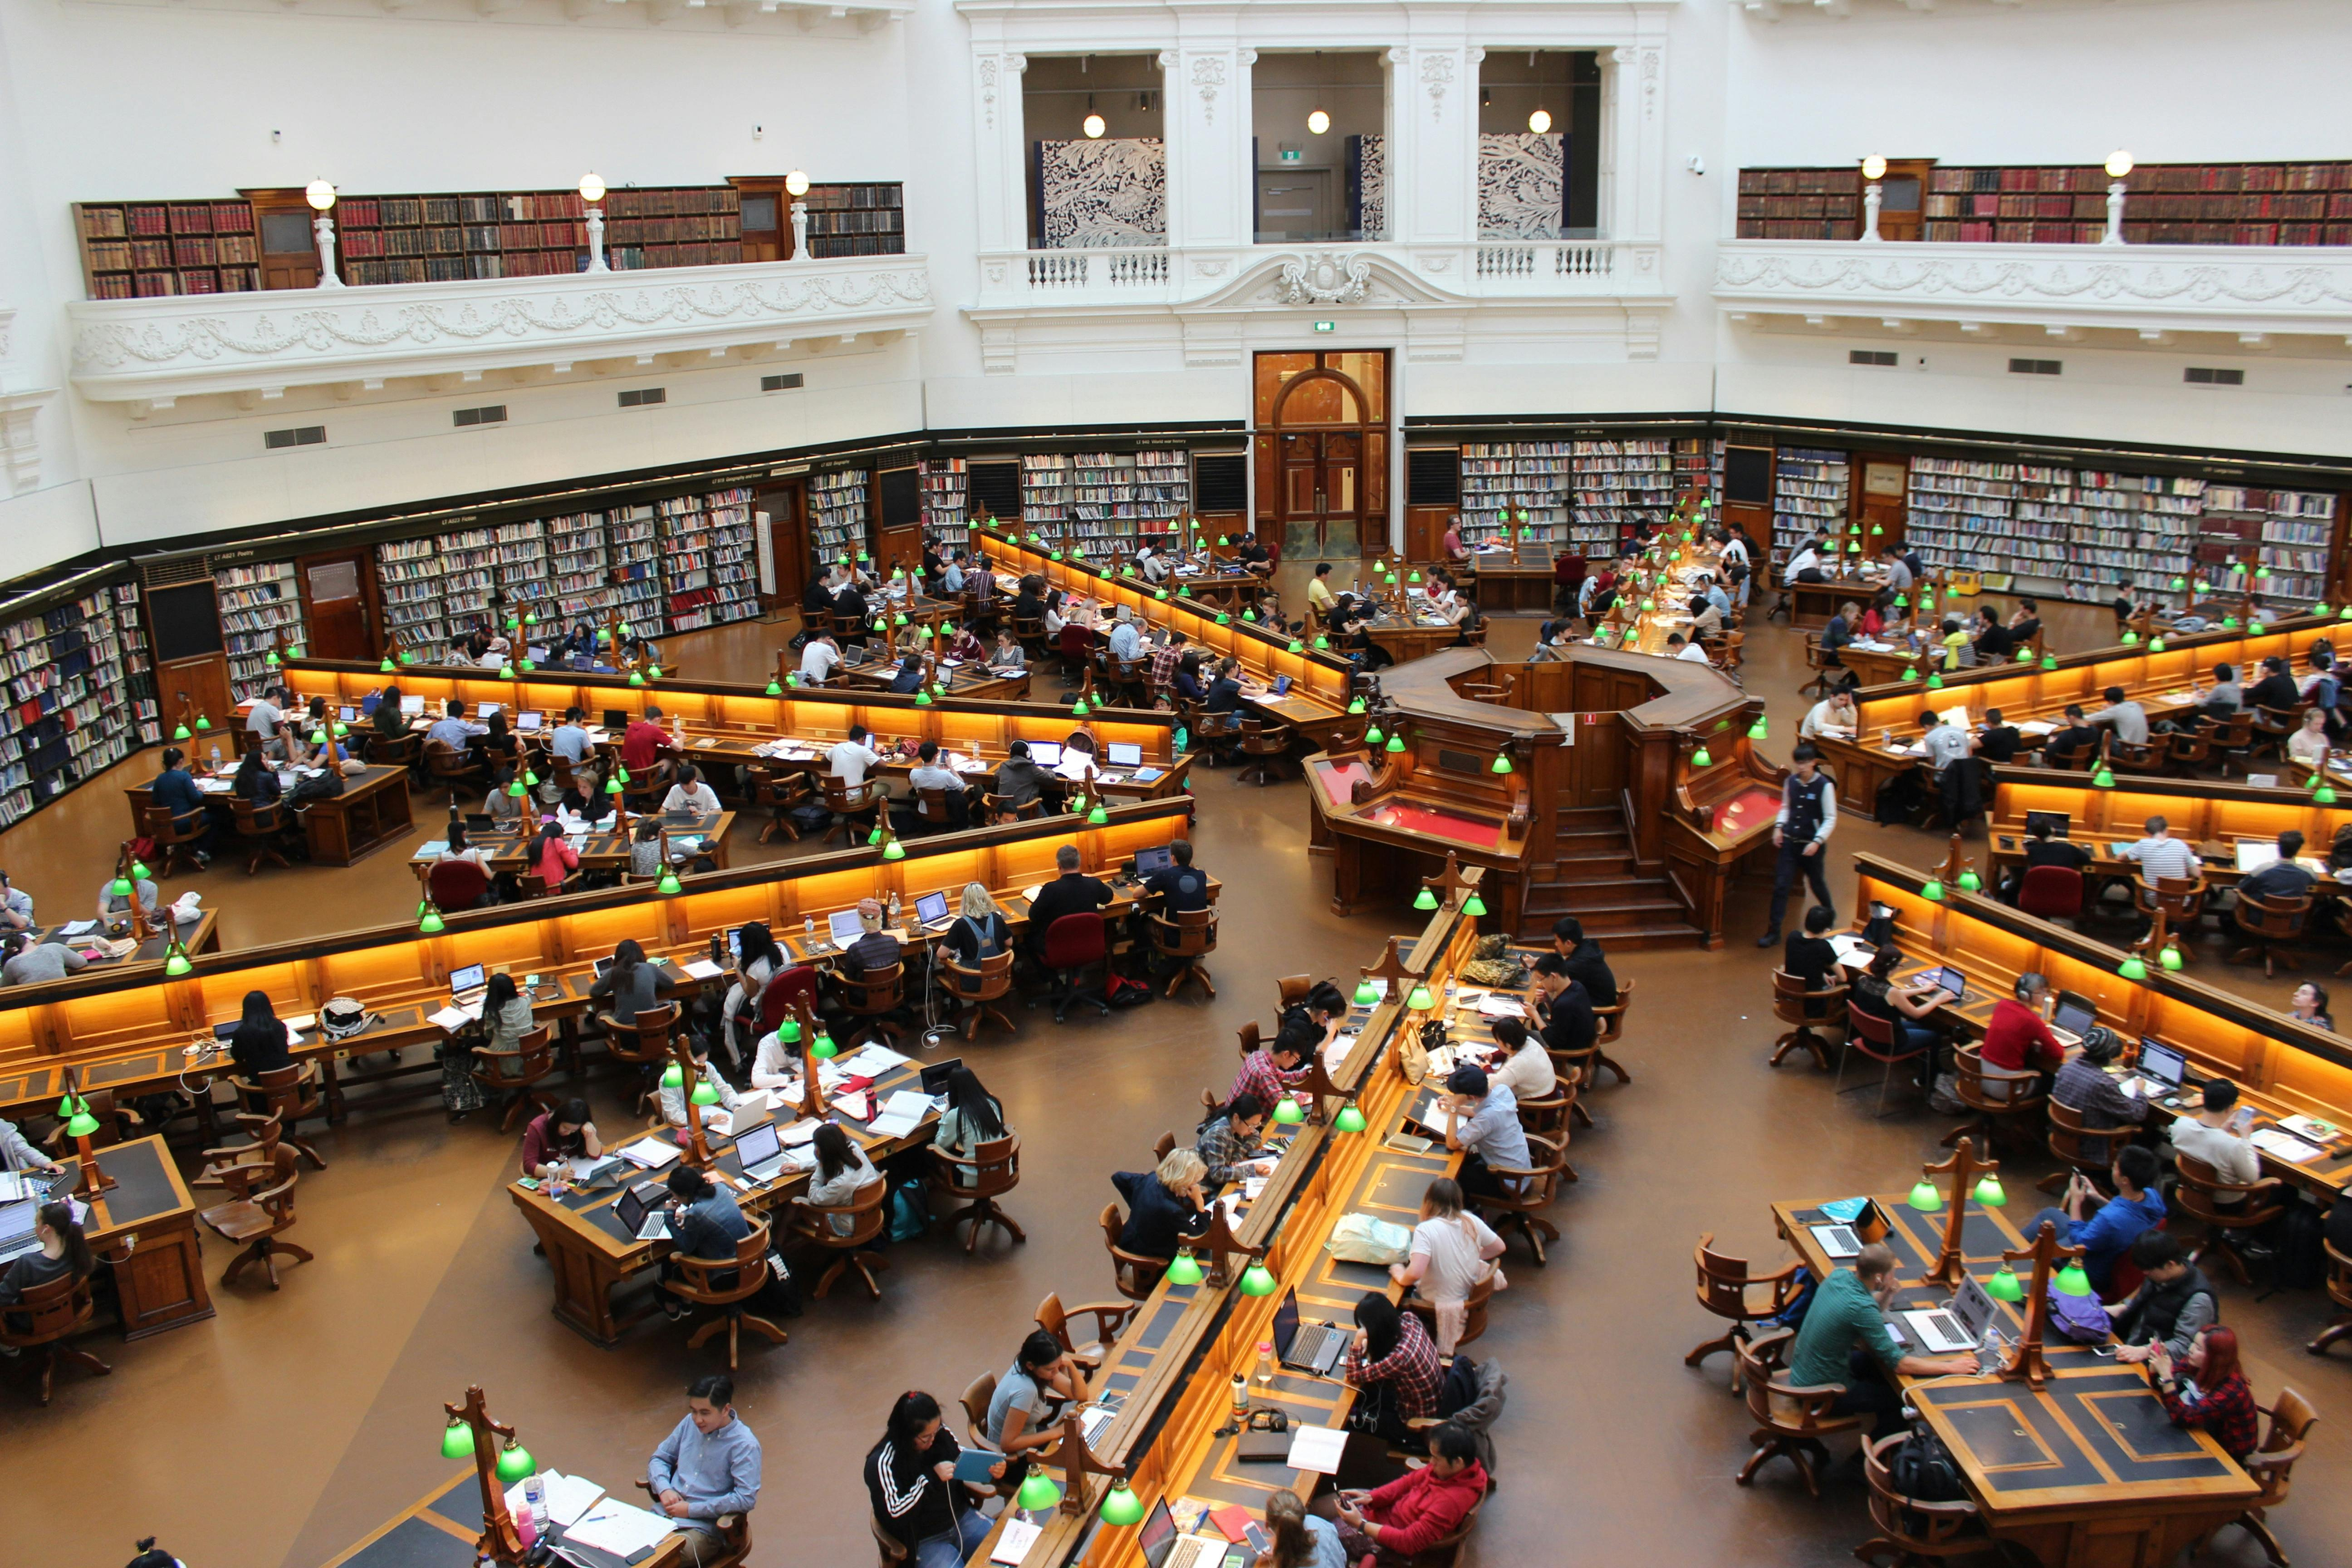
1873	1037
2052	894
1075	943
458	885
784	987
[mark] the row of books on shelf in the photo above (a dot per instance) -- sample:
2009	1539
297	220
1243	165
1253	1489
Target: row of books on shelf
80	698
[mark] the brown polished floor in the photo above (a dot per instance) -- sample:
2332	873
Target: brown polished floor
296	1422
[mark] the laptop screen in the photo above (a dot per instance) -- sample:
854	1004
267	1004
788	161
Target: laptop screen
935	1075
759	1144
1126	754
2073	1017
846	927
1157	1536
1286	1322
615	718
527	722
1045	754
1951	980
1153	858
630	1211
2056	819
469	978
1973	1306
931	908
412	707
2160	1062
346	714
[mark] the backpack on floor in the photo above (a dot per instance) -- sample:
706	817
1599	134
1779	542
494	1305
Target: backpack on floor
2300	1239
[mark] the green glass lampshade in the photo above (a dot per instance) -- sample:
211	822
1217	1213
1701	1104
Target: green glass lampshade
457	1441
2025	655
2005	1286
1910	672
120	887
1971	882
430	921
1413	576
2105	778
897	574
789	1031
1396	742
636	678
2255	629
668	883
2133	967
318	737
2156	644
1854	547
1502	763
2179	582
2170	957
1127	571
2228	623
1161	594
1098	816
1322	641
515	789
1701	759
2072	1280
514	623
1355	706
270	658
603	635
385	668
1934	891
1078	710
1122	1507
2131	636
1877	531
1224	619
1295	647
515	1462
1902	601
1758	732
2325	795
1372	735
823	1048
1474	905
2263	570
177	964
1349	1118
1925	1198
1421	1001
2049	661
793	680
2345	613
1057	555
922	698
612	786
1257	1280
1223	540
527	667
1184	592
1286	1111
1935	681
180	732
621	772
705	1092
1646	605
506	672
138	868
530	617
1390	577
653	672
1366	995
673	1077
2320	608
873	838
1989	1191
1250	616
1185	1270
775	687
406	657
899	619
894	850
1426	900
82	1125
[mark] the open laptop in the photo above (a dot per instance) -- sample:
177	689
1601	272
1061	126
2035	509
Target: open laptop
845	926
1957	1326
1152	859
348	714
2056	819
2160	1069
17	1222
412	707
468	986
1282	685
1950	980
615	718
646	1222
2073	1017
1125	753
1165	1547
1045	754
761	1150
527	722
1309	1347
931	910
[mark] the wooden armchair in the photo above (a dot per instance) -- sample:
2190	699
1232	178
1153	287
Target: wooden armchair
865	1212
1537	1183
872	995
996	809
115	1122
446	767
931	809
1473	1311
852	806
2183	899
48	1318
1724	1284
1182	942
734	1533
991	1170
263	1131
393	751
1612	1022
1824	664
2271	922
1790	1422
2187	750
1998	1102
727	1283
2128	757
175	848
1290	990
1913	1530
643	1044
512	1074
1793	1004
1131	1274
2227	1209
2272	1466
1109	1318
977	990
1265	751
260	829
2270	727
2074	1146
289	1095
2339	1291
256	1215
776	791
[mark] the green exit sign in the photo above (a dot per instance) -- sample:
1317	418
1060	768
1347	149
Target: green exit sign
1327	326
1294	154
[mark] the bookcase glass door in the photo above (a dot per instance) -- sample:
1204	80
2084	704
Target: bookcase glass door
1881	496
290	252
1902	198
1323	450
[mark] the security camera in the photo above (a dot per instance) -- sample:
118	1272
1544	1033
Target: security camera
1697	164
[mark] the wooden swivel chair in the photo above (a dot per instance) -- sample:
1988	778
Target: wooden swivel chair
1538	1184
446	767
1790	1422
287	1095
2272	1467
2339	1292
49	1317
1998	1103
855	808
260	829
1612	1022
996	809
865	1211
393	751
509	1074
991	1170
643	1044
1290	991
2186	751
872	997
2270	922
1075	943
2270	728
1804	1011
1725	1287
932	810
1875	1038
975	1399
1132	1274
175	848
1914	1530
977	990
777	791
1824	667
261	1210
2146	759
1265	753
1109	1318
734	1533
1182	942
2183	899
264	1133
1473	1311
2076	1147
454	885
2228	1210
706	1282
893	1550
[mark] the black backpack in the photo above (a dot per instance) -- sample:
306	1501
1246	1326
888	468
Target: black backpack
2300	1239
1923	1470
1460	1389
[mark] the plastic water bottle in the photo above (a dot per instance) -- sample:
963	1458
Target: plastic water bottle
215	758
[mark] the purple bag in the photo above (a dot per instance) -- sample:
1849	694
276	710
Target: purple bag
2080	1319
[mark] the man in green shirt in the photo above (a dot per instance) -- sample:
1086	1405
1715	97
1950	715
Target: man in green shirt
1844	1341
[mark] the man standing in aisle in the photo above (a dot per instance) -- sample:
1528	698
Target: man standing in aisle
1801	835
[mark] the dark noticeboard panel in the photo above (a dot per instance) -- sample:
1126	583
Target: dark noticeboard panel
902	503
184	621
1220	481
1747	476
1432	476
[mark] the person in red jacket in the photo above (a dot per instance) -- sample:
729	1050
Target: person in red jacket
2017	1040
1419	1509
644	742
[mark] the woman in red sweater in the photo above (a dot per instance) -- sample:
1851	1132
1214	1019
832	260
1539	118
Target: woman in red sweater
1419	1509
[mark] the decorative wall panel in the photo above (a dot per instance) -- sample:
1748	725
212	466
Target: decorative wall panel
1112	192
1522	186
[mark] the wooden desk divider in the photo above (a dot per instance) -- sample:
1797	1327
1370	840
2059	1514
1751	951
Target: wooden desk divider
2196	810
2027	1364
696	1150
813	1038
80	1125
1966	1170
500	1542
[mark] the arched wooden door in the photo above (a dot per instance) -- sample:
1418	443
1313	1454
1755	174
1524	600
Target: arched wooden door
1323	451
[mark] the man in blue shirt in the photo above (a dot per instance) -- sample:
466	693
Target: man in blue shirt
175	788
452	731
2105	1235
570	740
1491	1134
1126	642
707	1468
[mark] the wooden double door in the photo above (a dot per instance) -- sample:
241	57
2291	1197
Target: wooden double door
1322	447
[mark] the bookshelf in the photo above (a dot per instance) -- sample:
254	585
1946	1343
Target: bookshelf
734	557
946	505
683	529
2167	203
856	220
838	515
579	572
635	565
2082	531
79	695
1532	477
1811	491
523	570
688	227
1098	499
408	584
138	250
1044	492
258	603
2294	529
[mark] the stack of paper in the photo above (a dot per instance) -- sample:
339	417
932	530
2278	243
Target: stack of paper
619	1528
568	1497
1494	1005
902	1114
1014	1540
2284	1146
653	1154
702	969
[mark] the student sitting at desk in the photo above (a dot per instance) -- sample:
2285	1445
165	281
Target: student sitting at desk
646	848
1394	1368
2123	715
1840	630
2226	699
1298	1539
1071	892
2084	1085
24	962
175	788
453	731
1007	657
2159	854
852	759
909	679
454	846
1524	1066
2206	1389
1126	643
875	950
1588	965
1393	1525
2282	878
2276	689
1995	643
2309	743
849	608
973	1117
1808	956
1843	1341
910	1486
1179	888
2217	1135
689	792
554	1136
551	855
1679	648
2073	735
1025	1412
820	657
570	739
927	773
1907	1009
644	742
1999	741
2104	1234
980	929
15	906
1231	1144
260	1044
1899	576
503	807
1164	1206
1454	1252
18	1152
841	1171
958	642
632	985
62	1253
2017	1039
2173	1302
1019	780
1567	1011
2043	849
758	960
705	1222
1226	692
1185	682
1805	565
1959	652
1278	1066
499	742
1482	1125
673	1100
265	719
2309	1006
1315	1018
2024	623
707	1468
1707	621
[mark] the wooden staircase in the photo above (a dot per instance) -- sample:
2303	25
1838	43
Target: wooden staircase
1595	877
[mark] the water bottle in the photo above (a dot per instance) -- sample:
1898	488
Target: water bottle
534	1509
894	907
215	758
1241	1399
808	928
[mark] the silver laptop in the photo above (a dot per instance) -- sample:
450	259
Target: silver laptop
467	987
761	1150
1309	1347
1837	1240
1955	1326
640	1219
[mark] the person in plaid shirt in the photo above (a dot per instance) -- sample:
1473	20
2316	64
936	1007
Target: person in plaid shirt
1392	1350
1164	660
2222	1402
1271	1072
1232	1144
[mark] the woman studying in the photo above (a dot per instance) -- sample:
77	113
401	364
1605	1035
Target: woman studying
61	1253
1164	1206
553	1137
1454	1252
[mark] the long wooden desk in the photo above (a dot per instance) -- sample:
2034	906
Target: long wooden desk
144	1229
604	851
872	667
129	1038
141	964
2210	817
371	812
441	1529
1878	666
1520	576
2282	1067
2089	1472
1813	603
1171	1368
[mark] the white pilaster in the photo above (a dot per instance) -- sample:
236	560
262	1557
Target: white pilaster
1437	122
1210	176
1001	188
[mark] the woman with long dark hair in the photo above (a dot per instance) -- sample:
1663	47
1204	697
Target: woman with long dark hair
843	1170
2209	1389
554	1136
258	1046
632	985
758	960
1394	1361
910	1482
973	1117
62	1252
256	780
